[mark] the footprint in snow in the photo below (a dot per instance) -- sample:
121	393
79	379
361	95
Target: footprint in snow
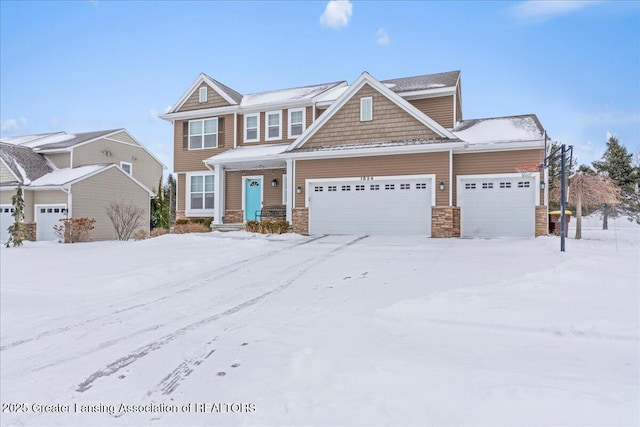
221	374
235	365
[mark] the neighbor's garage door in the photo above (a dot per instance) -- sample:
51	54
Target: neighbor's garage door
5	221
380	206
497	207
46	218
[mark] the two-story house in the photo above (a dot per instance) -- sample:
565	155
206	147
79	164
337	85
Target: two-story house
371	157
75	175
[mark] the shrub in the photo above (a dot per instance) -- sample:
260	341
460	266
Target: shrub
191	228
140	234
267	227
73	230
125	217
158	232
197	220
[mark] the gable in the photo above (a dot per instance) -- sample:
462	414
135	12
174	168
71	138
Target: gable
213	99
390	123
123	136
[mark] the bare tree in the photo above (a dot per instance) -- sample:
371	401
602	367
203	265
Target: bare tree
589	190
125	217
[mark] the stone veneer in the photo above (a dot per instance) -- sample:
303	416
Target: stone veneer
301	221
542	221
445	221
29	230
233	217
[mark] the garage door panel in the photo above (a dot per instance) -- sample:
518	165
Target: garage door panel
6	219
46	217
390	206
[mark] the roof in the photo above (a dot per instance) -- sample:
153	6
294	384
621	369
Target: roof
500	129
287	95
25	164
245	157
64	176
236	96
73	139
377	144
424	82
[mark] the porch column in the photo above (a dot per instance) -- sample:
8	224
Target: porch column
291	192
218	194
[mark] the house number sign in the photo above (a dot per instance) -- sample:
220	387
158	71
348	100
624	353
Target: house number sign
366	178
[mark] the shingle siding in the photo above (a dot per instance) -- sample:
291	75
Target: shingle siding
213	100
186	160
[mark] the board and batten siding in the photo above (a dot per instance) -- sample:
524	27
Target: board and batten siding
391	165
186	160
213	100
91	197
285	127
5	174
146	169
493	163
390	123
438	108
233	187
60	160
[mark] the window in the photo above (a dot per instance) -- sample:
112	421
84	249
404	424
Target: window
251	127
201	192
374	187
421	186
471	186
389	186
127	167
359	187
505	185
296	122
405	186
317	188
523	184
203	134
202	95
366	109
346	188
331	188
487	185
274	125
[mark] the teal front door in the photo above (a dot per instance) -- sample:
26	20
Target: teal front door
252	197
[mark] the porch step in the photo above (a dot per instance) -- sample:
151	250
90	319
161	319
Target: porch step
227	227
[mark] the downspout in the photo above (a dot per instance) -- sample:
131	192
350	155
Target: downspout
69	202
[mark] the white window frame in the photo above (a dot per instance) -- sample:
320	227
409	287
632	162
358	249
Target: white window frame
304	120
189	211
202	95
363	117
202	147
266	125
122	164
257	139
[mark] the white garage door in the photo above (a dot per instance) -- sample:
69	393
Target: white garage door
378	206
5	221
497	207
46	217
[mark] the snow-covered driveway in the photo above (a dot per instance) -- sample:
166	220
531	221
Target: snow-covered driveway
337	330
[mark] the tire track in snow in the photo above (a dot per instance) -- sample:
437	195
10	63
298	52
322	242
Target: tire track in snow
220	272
143	351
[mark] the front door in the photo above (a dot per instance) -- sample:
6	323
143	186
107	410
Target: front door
252	198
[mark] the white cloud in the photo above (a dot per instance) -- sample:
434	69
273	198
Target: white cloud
153	113
383	37
544	10
14	125
337	14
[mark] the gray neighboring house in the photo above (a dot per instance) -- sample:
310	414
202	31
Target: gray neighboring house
75	175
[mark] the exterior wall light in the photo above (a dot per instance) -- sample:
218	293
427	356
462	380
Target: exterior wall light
441	185
298	190
274	183
542	185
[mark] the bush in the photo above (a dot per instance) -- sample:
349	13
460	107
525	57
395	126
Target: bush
140	234
191	228
73	230
205	221
158	232
125	217
267	227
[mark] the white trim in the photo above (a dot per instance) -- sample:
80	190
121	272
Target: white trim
202	78
366	78
187	189
244	197
292	191
202	94
130	167
9	169
304	119
266	125
366	115
235	129
37	207
89	175
428	93
283	184
257	139
370	179
501	146
450	177
202	134
218	194
534	175
375	151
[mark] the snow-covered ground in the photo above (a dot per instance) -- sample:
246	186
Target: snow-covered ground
237	329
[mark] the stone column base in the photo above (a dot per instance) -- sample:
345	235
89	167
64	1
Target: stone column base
233	217
445	221
300	219
542	221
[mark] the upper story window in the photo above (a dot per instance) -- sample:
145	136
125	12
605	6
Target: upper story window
296	122
202	94
252	127
366	109
127	167
274	125
203	134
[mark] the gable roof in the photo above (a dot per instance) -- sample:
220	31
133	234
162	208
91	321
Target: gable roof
73	139
366	78
424	82
24	163
229	95
236	96
525	127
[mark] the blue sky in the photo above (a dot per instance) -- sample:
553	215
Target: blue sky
90	65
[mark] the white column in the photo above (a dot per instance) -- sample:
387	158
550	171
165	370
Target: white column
218	195
291	192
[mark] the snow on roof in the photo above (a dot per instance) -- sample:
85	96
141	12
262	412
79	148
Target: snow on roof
71	139
377	144
286	95
427	81
245	153
24	139
66	175
24	162
332	94
499	129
